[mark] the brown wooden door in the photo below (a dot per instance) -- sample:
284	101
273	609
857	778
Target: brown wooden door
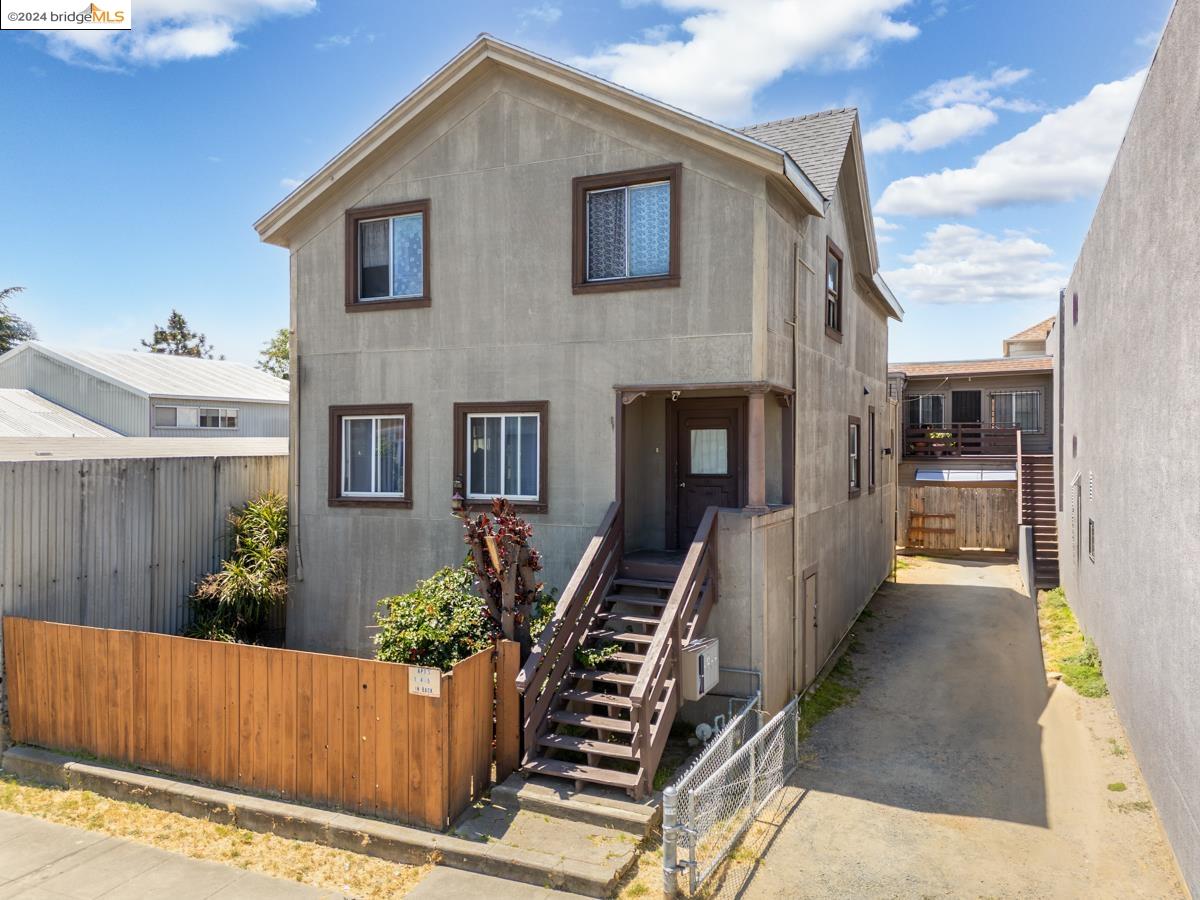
708	461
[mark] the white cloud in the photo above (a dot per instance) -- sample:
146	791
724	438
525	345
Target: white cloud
290	183
1065	155
545	13
935	128
735	47
961	264
338	41
882	227
971	88
168	31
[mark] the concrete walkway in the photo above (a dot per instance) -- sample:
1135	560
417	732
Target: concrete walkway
959	771
39	859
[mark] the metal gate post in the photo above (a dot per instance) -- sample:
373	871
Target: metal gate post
670	839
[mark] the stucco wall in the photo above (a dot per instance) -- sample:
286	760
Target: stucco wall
1133	413
497	166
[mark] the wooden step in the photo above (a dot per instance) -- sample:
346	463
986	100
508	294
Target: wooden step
644	583
595	697
633	658
586	745
587	720
637	600
561	769
611	618
630	637
602	676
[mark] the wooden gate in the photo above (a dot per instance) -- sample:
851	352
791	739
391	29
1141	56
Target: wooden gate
957	518
375	738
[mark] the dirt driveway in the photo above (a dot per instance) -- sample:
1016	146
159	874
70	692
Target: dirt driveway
957	772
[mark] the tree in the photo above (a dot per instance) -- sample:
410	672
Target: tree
275	357
178	339
13	329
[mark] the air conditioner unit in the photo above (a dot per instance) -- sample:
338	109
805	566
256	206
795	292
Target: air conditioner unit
701	667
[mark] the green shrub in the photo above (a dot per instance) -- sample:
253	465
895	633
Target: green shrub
233	604
441	622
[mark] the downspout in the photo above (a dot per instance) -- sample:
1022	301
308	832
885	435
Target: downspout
294	376
797	561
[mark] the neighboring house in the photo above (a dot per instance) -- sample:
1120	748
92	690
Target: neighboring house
23	414
152	394
524	281
959	422
1127	371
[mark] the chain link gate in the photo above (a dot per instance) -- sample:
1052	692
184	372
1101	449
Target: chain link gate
709	809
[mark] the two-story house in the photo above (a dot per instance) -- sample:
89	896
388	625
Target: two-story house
663	339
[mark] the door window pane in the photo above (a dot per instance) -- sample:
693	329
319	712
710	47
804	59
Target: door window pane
408	255
709	451
649	229
373	259
606	234
358	458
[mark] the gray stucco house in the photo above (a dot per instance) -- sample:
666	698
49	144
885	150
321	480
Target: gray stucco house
664	339
151	394
1127	375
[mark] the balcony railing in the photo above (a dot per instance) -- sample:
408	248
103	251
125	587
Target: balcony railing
959	439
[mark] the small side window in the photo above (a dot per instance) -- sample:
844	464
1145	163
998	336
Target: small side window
833	290
854	434
166	416
387	256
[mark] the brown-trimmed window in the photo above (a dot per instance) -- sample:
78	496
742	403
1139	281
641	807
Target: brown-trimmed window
854	440
870	449
833	290
500	450
626	230
387	256
370	448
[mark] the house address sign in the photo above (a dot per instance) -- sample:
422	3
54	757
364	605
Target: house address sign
424	681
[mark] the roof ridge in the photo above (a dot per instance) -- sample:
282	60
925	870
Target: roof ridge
802	118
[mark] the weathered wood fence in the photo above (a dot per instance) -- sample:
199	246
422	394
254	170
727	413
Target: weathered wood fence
375	738
957	518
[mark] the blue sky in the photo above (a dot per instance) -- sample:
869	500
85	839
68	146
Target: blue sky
135	164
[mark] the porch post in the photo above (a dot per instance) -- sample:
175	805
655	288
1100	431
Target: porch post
756	449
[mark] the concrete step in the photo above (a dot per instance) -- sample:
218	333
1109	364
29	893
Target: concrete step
594	805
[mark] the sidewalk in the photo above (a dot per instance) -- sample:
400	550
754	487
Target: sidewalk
40	859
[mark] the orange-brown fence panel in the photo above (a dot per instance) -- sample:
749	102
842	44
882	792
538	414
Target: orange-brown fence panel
357	734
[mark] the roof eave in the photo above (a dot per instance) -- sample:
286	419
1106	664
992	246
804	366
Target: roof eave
484	48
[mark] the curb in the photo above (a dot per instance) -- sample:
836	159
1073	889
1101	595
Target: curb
343	831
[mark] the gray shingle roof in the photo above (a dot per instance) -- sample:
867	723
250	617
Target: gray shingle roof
817	143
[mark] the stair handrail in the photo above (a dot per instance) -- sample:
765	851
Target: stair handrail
1020	486
662	656
554	652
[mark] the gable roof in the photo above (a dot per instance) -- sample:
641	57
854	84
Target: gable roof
1038	332
816	141
486	49
161	375
1004	366
24	414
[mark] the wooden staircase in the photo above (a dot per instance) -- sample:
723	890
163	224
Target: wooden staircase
1036	480
608	724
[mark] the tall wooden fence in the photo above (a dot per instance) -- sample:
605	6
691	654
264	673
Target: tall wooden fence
937	517
375	738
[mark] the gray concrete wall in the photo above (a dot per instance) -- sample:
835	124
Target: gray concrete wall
1133	413
1040	441
114	407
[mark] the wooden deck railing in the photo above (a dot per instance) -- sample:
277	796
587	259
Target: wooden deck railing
959	439
554	653
658	688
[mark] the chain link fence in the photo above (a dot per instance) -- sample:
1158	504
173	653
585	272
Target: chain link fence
709	809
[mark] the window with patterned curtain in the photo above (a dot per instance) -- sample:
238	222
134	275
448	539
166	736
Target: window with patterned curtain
629	231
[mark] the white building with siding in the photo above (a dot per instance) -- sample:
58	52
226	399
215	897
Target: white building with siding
151	394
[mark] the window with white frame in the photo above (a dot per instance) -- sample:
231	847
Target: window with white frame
373	456
855	460
629	231
503	455
387	256
1019	409
195	417
218	417
924	409
166	417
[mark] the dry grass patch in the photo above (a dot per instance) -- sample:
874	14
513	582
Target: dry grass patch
1066	649
312	864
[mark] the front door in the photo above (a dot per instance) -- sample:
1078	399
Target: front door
707	469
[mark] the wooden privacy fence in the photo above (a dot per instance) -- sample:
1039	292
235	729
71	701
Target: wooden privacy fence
376	738
958	518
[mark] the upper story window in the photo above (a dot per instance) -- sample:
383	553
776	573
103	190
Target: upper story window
870	449
854	433
626	230
833	290
195	417
387	256
369	449
924	409
500	451
1020	409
